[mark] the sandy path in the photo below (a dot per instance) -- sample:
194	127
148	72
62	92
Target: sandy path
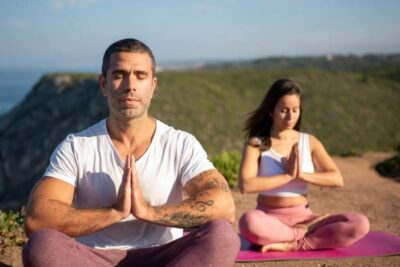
364	191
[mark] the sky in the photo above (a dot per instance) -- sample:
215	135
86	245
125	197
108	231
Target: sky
73	34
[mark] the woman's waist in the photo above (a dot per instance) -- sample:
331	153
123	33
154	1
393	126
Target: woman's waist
281	202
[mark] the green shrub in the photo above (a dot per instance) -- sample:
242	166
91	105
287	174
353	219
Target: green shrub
390	168
227	163
398	148
11	228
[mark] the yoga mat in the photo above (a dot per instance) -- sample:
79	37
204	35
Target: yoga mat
372	245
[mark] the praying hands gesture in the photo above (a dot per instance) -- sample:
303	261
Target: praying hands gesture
130	198
326	174
209	198
292	166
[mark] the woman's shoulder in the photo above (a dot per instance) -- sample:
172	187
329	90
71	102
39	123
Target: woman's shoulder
308	135
254	141
314	142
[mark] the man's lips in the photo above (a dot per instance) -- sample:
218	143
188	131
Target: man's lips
129	99
129	102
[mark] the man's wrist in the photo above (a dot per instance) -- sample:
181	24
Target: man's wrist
289	177
146	212
116	213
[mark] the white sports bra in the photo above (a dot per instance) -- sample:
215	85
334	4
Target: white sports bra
271	164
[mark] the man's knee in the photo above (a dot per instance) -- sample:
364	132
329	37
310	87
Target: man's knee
40	246
222	235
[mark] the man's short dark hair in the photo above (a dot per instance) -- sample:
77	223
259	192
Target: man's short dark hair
127	45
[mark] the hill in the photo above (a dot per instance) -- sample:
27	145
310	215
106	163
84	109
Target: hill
332	62
351	112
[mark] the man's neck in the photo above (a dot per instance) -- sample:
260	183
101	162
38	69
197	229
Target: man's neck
131	136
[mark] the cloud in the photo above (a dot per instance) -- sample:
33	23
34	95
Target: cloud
62	4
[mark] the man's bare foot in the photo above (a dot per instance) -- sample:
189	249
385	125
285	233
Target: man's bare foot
284	246
310	226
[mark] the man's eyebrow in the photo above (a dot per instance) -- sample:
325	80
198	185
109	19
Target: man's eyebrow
141	72
119	71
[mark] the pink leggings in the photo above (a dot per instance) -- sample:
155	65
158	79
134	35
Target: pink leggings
266	225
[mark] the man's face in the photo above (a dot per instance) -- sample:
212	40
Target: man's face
129	84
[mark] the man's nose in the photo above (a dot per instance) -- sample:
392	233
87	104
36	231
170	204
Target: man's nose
131	83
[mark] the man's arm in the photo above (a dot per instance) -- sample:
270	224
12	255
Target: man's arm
209	198
50	206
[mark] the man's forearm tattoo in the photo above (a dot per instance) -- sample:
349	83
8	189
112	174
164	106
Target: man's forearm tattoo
183	219
201	205
204	174
181	216
216	183
187	218
213	182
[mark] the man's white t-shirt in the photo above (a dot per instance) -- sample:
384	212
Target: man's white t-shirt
90	162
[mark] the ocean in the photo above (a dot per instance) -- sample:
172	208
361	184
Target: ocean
14	85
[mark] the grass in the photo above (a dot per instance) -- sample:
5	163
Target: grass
349	112
11	228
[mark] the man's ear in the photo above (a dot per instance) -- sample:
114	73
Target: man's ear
154	85
102	84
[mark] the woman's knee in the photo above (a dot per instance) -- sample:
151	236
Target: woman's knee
361	224
355	226
250	221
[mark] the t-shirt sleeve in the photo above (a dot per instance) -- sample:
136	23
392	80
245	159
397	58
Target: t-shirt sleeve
63	163
194	160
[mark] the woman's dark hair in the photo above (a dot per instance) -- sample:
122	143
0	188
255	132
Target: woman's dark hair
259	122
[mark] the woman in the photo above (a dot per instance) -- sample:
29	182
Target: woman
279	162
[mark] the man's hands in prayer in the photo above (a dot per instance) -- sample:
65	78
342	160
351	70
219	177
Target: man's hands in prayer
124	199
209	198
130	198
140	208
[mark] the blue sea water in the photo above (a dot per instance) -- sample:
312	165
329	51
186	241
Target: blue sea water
14	85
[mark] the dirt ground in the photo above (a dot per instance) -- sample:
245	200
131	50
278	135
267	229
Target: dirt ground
364	191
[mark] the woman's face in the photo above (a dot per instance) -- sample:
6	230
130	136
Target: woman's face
286	112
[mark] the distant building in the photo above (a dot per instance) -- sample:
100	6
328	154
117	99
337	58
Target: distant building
330	57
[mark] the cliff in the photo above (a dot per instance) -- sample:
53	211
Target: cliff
57	105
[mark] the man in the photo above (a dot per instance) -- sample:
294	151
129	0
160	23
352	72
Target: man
111	194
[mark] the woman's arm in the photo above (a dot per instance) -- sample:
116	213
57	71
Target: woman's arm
327	173
249	182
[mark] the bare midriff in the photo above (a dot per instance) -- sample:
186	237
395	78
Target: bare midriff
281	202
